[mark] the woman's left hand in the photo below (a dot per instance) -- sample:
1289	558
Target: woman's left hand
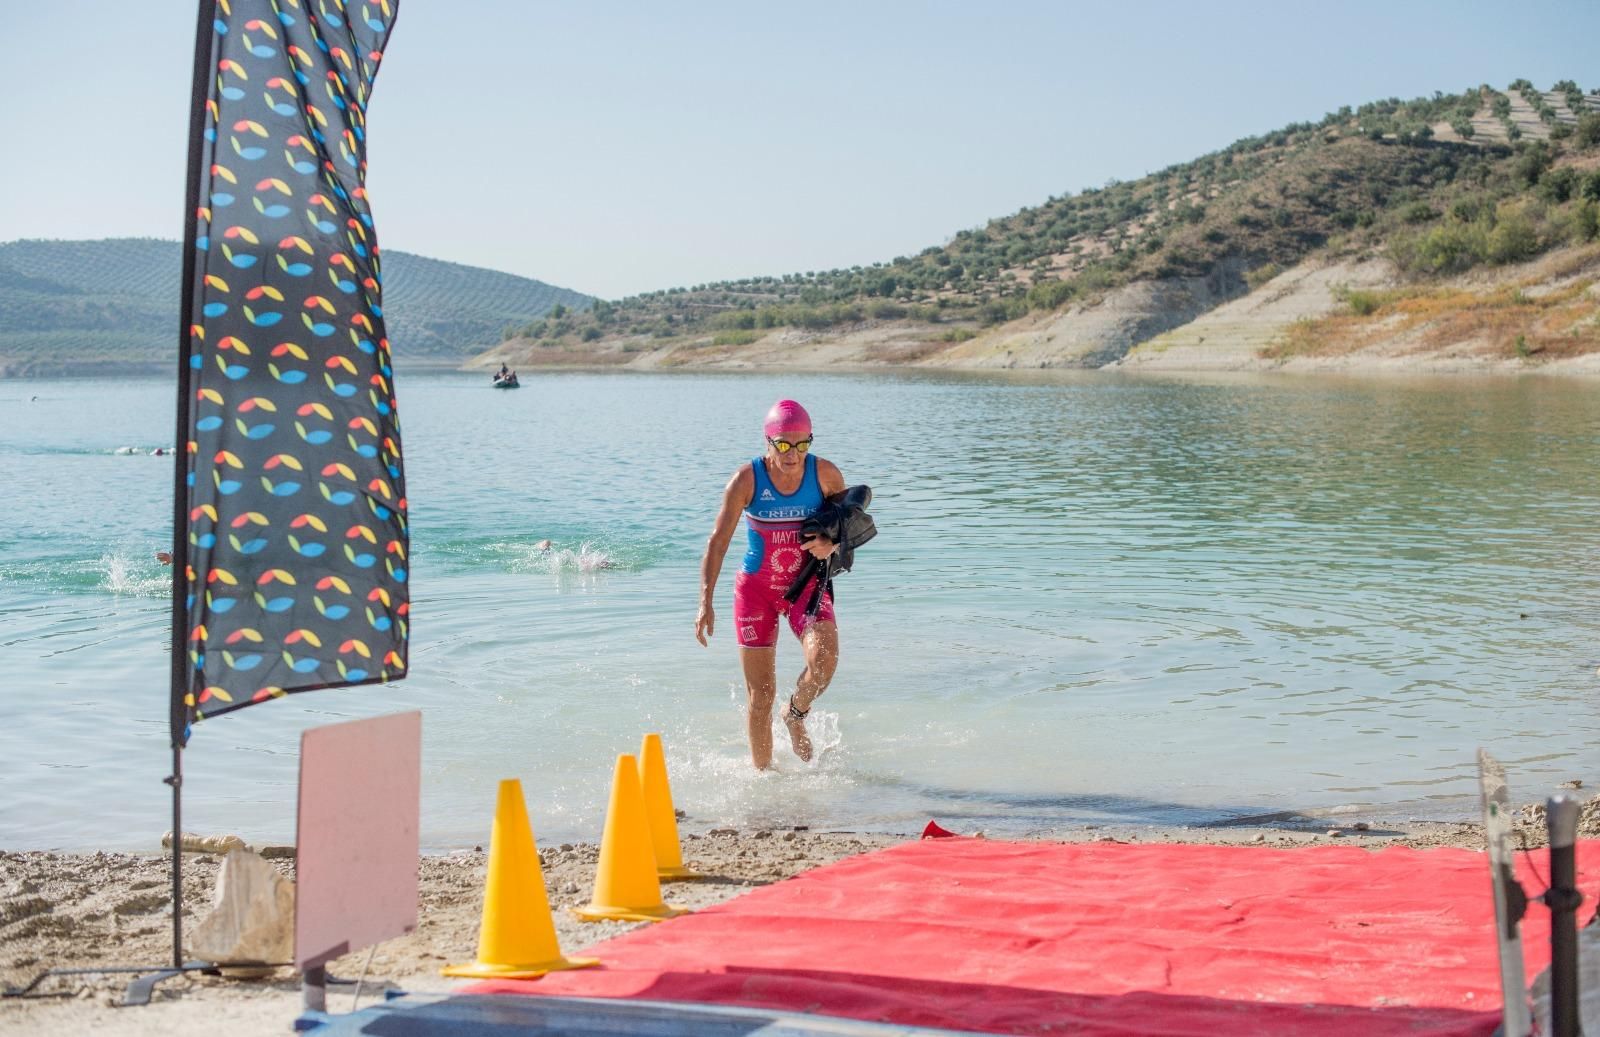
820	547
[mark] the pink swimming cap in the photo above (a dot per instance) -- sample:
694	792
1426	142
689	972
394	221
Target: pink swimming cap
785	417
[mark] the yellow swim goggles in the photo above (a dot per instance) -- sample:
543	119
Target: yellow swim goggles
783	446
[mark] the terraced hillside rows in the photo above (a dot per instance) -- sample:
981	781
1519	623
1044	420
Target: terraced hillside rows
112	306
1523	113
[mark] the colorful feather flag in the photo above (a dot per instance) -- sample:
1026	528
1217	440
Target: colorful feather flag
291	550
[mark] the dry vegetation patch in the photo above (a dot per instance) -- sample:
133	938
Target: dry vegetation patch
1555	315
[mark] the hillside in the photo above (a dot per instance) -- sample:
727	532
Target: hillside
1429	190
113	304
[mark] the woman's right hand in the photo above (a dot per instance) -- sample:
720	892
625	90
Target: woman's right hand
705	623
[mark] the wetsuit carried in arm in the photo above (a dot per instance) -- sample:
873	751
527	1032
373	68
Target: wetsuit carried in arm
772	557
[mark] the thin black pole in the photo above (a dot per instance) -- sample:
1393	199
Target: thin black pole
178	710
1563	899
176	781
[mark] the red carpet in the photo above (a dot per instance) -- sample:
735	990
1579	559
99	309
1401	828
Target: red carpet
1098	939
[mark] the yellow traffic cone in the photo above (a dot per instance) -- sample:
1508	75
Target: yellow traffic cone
517	938
658	810
625	884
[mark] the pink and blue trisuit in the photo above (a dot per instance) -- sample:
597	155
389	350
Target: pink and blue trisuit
772	559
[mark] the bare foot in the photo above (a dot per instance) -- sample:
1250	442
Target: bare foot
798	739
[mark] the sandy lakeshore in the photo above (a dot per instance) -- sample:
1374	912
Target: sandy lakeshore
83	909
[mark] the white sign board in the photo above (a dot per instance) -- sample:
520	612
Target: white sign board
356	841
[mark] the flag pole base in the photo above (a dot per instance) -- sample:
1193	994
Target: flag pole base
141	989
138	992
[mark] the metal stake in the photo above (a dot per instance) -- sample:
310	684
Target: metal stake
1563	898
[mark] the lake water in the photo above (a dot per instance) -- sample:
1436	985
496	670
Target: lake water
1094	599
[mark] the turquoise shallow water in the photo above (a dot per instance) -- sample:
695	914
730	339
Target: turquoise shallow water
1094	599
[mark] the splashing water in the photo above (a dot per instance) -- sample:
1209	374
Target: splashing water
125	576
826	736
727	790
585	558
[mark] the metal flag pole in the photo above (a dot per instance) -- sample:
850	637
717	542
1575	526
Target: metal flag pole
178	718
1563	899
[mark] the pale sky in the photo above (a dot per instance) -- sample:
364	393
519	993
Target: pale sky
617	148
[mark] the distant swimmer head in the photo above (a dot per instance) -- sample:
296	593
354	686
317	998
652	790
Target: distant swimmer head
787	418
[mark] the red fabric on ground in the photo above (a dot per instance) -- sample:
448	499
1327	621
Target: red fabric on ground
1098	939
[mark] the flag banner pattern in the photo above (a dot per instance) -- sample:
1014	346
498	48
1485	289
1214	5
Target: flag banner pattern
295	547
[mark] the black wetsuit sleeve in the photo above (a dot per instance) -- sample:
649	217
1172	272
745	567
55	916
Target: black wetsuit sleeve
856	497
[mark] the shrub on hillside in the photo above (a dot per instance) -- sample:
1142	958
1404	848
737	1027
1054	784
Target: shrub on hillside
1514	238
1532	163
1582	223
1362	303
1096	279
1591	186
1445	249
1587	134
1261	275
1049	294
998	311
1558	185
1184	261
1419	212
